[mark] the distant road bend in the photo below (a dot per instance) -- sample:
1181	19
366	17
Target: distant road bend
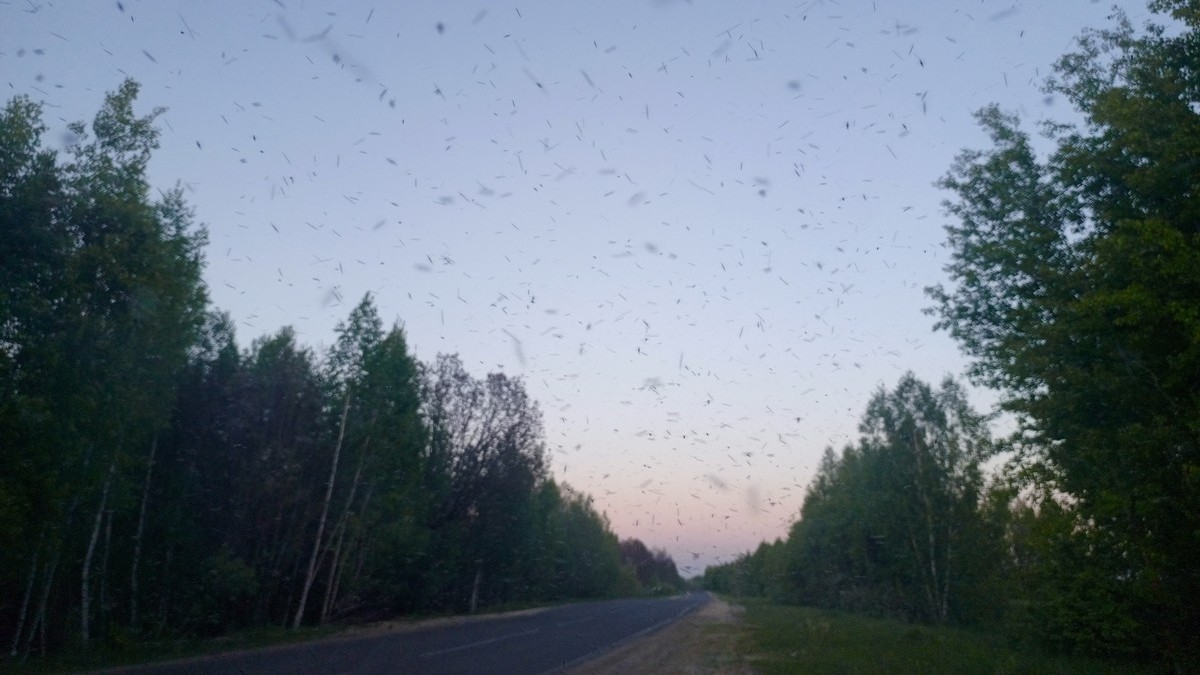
539	641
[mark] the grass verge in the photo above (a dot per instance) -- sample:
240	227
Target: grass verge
103	656
788	639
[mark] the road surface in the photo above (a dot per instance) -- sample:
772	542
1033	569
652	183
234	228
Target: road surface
539	641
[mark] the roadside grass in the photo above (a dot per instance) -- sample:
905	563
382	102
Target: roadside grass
789	639
121	653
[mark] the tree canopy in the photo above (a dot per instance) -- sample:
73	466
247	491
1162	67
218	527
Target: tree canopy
1074	286
158	480
890	525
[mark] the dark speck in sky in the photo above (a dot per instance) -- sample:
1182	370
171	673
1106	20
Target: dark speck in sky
621	161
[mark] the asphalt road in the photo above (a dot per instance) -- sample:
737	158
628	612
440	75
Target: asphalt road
539	641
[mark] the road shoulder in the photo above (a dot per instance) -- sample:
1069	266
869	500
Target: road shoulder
704	641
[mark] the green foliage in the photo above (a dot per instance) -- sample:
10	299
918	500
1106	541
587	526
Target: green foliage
157	481
227	590
654	569
762	574
1074	287
886	527
101	299
573	554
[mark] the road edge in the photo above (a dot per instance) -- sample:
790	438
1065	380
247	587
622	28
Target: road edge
632	637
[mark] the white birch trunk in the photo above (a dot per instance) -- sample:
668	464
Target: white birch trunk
16	641
475	587
312	560
933	583
86	575
137	538
104	598
363	544
39	620
340	530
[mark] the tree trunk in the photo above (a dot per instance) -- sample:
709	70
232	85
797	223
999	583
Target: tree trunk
16	641
163	604
105	603
39	621
331	585
363	545
312	560
933	584
340	530
475	587
86	575
38	627
137	538
946	576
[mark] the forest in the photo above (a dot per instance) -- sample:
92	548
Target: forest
158	480
1073	287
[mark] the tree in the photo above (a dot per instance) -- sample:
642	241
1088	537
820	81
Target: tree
381	524
234	488
357	337
930	444
762	574
655	569
485	460
103	297
1074	286
884	528
241	470
572	553
34	249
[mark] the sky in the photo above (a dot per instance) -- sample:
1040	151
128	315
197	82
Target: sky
699	231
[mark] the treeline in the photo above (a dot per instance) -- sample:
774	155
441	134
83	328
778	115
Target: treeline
653	570
899	523
1074	285
157	479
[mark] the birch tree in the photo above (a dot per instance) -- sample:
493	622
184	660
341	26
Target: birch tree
885	526
358	336
104	298
1073	287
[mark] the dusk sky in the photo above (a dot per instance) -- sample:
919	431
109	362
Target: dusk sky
700	231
